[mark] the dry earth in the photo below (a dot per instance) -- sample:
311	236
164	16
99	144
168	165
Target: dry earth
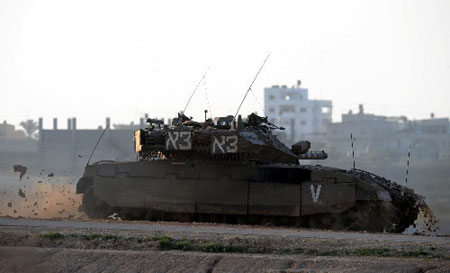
28	245
26	259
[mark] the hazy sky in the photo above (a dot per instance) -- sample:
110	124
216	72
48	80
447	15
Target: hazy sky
93	59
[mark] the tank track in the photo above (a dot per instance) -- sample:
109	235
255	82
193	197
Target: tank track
374	216
93	207
405	206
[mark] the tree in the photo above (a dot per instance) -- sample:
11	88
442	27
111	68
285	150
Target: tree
30	126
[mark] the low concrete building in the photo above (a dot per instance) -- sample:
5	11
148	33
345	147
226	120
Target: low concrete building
69	149
66	150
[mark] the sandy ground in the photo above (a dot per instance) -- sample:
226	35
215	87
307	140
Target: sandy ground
102	246
208	230
25	259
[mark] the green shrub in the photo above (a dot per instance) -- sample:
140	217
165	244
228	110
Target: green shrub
52	235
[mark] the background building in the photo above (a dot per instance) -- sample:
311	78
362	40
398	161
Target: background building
66	150
382	137
8	131
292	109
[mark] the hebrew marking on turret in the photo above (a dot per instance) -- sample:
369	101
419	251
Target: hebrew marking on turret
178	140
224	144
315	194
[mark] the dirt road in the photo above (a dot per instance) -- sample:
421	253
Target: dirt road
29	245
202	228
76	260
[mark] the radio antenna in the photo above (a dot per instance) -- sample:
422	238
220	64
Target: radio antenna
98	141
195	89
250	87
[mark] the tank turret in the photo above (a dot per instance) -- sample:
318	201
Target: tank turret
220	139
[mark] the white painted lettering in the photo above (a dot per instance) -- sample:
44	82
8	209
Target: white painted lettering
186	143
217	143
172	139
315	194
233	140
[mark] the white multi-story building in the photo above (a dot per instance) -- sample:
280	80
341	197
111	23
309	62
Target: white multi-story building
290	108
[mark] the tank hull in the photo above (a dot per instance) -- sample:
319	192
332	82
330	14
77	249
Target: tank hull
310	196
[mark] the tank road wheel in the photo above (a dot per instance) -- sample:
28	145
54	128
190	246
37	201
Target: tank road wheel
375	216
369	216
93	207
131	213
335	221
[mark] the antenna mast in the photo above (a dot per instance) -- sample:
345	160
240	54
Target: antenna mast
195	89
250	87
98	141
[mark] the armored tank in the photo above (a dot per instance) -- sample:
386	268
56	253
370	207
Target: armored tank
236	170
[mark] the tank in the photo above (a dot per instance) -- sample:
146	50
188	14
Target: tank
236	170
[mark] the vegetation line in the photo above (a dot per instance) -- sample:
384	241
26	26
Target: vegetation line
167	243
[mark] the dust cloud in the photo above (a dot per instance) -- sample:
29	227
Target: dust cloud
39	195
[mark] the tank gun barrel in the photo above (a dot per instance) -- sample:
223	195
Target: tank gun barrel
313	155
